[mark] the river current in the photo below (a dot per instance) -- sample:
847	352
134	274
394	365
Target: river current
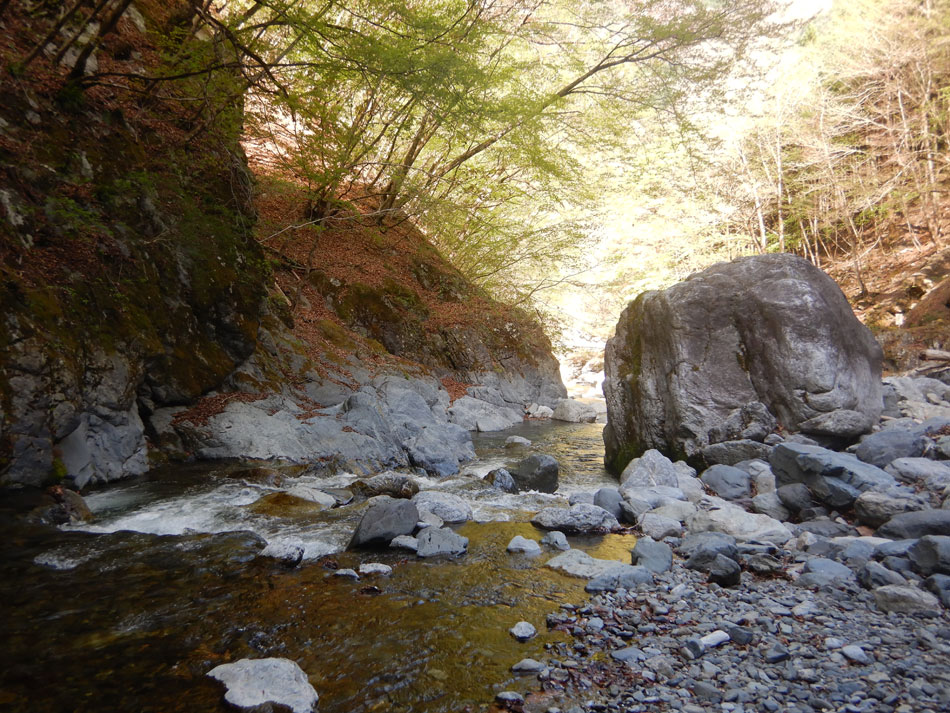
130	611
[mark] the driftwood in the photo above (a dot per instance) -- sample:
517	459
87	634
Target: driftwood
934	355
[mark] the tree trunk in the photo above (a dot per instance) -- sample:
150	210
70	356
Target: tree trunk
79	69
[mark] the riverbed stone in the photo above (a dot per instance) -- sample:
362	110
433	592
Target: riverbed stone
528	666
873	575
451	508
930	555
912	525
905	600
405	542
836	479
537	472
885	446
395	485
502	480
517	442
770	504
580	518
610	500
727	482
650	469
821	572
933	474
875	508
437	541
801	352
523	545
718	515
732	452
577	563
700	549
622	576
795	496
375	569
384	520
724	571
939	585
252	683
523	631
659	527
655	556
556	539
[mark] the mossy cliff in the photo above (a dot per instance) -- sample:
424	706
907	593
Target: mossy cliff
133	286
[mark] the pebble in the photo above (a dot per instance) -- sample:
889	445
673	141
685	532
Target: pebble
523	631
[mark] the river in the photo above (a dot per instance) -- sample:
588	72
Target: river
129	612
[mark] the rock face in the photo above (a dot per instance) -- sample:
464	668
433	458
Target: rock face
722	355
258	682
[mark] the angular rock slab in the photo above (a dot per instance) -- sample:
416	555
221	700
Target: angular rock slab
774	331
383	521
718	515
579	518
256	682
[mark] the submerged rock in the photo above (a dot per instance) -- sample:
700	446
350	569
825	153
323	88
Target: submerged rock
257	682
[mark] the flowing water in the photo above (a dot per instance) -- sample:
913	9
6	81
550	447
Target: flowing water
130	612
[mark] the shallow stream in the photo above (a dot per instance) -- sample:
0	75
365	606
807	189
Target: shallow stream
131	612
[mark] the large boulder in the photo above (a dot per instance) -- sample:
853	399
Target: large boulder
537	472
717	515
385	519
580	518
715	357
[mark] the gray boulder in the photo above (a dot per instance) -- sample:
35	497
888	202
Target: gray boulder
700	549
939	584
873	575
502	480
843	423
557	540
836	479
659	527
449	507
655	556
932	474
930	555
439	449
622	576
537	472
911	525
651	469
795	496
727	482
577	563
732	452
574	411
905	600
890	444
718	515
820	572
384	520
874	509
770	504
436	541
255	683
776	332
724	571
578	518
610	500
523	545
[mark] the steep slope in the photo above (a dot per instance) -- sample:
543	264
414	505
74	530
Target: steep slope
137	305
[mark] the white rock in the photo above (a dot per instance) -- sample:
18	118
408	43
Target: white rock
255	682
659	527
577	563
405	542
714	639
524	545
346	572
378	568
313	495
718	515
449	507
522	631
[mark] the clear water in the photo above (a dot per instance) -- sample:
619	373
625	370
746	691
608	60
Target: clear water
130	613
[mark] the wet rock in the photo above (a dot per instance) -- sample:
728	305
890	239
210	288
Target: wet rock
517	442
523	545
930	555
911	525
528	666
718	515
501	479
556	539
345	573
724	572
439	448
257	682
905	600
657	385
450	508
384	520
654	556
727	482
574	411
651	469
288	553
436	541
580	518
395	485
523	631
509	699
313	495
537	472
